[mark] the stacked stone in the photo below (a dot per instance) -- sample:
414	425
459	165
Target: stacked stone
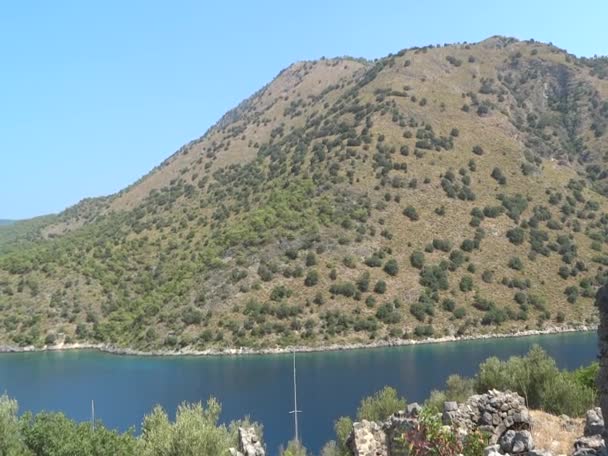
249	444
399	424
494	412
592	442
383	439
368	439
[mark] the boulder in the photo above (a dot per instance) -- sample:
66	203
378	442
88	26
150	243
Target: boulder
594	422
492	450
413	410
590	446
601	302
396	426
516	442
367	439
249	443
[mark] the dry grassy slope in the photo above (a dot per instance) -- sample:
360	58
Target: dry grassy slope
158	264
301	79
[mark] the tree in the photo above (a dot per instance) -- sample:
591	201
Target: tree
195	432
381	405
294	448
527	375
53	434
11	440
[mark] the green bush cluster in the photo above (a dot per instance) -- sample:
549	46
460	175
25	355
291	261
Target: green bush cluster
534	376
194	432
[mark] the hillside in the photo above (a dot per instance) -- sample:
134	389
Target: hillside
444	190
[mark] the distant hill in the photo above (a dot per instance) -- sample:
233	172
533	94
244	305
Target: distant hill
6	222
449	190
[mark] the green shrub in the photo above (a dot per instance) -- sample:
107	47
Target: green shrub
411	213
312	278
280	292
363	282
434	277
391	267
466	283
11	439
380	287
537	378
498	175
442	244
347	289
516	263
448	304
294	448
311	259
381	405
487	276
516	235
417	259
460	313
423	331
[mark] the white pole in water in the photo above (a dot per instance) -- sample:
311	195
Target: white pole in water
93	413
295	410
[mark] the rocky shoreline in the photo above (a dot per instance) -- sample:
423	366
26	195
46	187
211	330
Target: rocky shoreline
299	349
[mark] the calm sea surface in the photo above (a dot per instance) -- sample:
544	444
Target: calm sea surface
330	384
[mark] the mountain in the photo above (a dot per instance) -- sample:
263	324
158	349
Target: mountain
6	222
457	189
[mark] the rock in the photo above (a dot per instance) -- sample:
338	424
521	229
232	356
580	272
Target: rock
249	443
495	413
235	452
367	439
594	422
516	442
601	302
413	410
590	446
492	450
539	453
450	406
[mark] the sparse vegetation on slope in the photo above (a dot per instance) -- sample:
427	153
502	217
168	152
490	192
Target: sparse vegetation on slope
437	191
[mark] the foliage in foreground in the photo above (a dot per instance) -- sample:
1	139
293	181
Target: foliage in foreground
431	438
534	376
195	431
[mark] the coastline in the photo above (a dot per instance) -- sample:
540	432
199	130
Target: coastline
122	351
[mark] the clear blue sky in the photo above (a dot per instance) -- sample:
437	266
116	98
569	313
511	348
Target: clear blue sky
93	94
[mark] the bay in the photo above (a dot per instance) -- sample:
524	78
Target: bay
330	384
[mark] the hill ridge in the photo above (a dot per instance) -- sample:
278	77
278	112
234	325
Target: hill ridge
438	191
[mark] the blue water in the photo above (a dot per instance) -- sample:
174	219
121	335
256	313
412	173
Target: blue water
330	384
